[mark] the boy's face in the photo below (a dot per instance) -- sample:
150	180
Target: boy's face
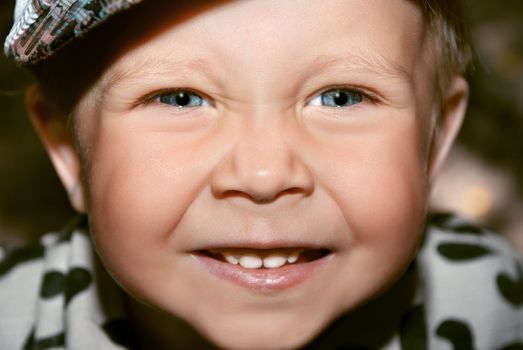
261	128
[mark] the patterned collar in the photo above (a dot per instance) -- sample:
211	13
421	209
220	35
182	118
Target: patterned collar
464	291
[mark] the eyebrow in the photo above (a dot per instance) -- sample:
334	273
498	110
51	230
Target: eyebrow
354	61
154	66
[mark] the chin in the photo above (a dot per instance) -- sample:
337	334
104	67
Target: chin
265	332
263	340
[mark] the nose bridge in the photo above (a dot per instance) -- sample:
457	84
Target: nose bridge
263	146
262	163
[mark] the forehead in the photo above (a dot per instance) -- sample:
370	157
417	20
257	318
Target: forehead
284	38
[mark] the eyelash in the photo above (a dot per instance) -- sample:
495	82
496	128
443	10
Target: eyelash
366	95
155	97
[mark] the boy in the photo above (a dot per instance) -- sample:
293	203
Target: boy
255	176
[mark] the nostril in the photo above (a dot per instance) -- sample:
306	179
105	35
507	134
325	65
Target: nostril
259	197
260	174
256	197
296	190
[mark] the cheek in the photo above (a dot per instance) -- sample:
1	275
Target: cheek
385	190
379	174
380	185
141	184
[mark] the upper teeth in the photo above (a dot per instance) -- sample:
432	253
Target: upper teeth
254	261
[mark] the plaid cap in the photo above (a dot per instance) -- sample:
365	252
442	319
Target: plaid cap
41	27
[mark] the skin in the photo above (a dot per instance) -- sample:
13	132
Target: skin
263	162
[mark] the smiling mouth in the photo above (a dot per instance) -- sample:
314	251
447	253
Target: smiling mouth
265	270
262	259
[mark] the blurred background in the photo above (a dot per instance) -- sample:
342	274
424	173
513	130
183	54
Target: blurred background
483	179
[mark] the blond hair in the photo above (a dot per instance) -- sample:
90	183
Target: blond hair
449	32
444	20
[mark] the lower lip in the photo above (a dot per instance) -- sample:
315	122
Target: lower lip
264	280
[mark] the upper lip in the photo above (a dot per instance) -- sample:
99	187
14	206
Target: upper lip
264	245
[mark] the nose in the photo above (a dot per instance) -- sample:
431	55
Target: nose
261	165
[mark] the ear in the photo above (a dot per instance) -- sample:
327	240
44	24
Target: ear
448	124
51	126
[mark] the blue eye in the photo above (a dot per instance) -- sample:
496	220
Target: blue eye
182	99
337	98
